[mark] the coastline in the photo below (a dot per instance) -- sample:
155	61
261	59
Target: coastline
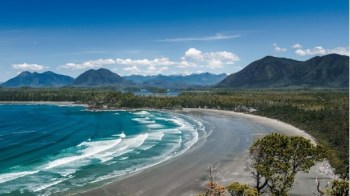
187	174
281	127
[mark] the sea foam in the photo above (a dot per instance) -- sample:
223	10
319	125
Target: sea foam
93	148
14	175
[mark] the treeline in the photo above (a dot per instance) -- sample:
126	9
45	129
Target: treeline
322	113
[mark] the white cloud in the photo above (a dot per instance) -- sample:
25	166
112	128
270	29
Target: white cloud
133	69
148	70
194	57
28	67
276	48
191	58
218	36
146	66
297	46
89	64
193	53
339	50
319	50
156	61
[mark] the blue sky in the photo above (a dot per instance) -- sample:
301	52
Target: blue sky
168	37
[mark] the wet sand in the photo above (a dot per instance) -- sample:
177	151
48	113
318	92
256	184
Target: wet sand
226	148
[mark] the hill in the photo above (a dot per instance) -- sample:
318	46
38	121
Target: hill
329	71
202	79
46	79
100	77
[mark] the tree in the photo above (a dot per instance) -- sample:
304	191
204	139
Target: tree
275	160
213	188
340	187
237	189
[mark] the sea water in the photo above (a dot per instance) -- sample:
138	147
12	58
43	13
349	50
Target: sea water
47	149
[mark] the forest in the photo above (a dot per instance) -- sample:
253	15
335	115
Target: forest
322	113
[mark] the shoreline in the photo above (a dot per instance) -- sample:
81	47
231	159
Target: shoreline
187	173
289	129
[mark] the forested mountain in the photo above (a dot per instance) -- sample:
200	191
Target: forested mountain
46	79
329	71
202	79
100	77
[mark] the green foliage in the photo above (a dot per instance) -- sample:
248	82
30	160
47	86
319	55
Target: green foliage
276	159
237	189
339	187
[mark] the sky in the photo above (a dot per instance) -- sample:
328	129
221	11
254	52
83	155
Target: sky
165	37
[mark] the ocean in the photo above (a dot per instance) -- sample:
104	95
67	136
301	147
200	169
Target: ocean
48	149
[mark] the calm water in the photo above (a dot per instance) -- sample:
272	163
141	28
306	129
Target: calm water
46	149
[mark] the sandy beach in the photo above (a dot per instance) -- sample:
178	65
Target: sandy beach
223	149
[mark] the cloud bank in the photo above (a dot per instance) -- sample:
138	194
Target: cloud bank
28	67
191	58
319	50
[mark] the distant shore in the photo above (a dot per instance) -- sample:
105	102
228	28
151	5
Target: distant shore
187	174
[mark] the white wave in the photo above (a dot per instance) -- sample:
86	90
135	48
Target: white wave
179	122
152	140
142	113
170	131
14	175
128	145
163	119
40	187
66	172
123	158
154	126
173	151
93	148
121	135
156	136
68	105
116	113
143	120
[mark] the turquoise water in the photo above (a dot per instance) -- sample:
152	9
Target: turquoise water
46	149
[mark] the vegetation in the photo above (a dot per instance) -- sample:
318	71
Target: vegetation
213	188
339	187
322	113
237	189
276	159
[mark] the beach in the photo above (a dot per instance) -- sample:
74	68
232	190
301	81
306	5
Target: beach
224	150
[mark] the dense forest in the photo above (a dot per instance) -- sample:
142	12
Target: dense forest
322	113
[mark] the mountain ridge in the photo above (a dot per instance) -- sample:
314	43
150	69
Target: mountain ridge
99	77
45	79
195	79
329	71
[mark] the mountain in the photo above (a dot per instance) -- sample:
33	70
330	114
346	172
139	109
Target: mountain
46	79
202	79
100	77
329	71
